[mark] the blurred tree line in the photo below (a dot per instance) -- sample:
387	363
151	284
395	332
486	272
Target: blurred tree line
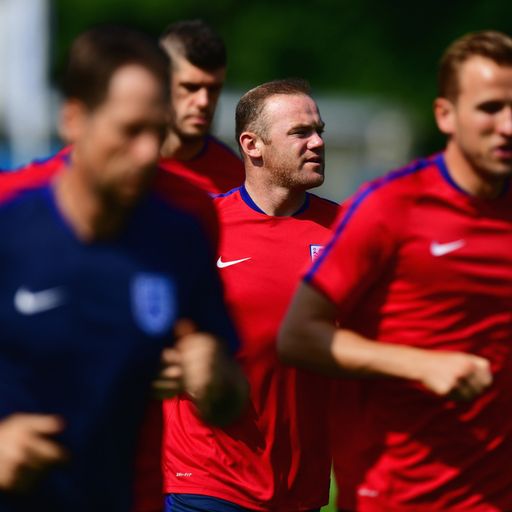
365	48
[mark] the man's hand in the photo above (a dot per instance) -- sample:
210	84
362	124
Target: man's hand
455	375
210	376
191	366
26	449
201	359
169	381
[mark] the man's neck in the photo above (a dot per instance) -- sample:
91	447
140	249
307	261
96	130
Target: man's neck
275	200
89	217
180	148
468	178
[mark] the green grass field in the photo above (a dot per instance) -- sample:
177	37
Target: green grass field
331	507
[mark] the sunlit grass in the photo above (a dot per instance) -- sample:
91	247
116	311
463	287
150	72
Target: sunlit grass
332	498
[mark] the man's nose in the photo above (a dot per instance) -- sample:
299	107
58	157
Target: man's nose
316	141
202	97
505	122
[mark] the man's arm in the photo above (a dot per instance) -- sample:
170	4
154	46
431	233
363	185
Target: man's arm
27	450
309	338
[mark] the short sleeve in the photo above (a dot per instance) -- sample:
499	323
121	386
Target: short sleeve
358	252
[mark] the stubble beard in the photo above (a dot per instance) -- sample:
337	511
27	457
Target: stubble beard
487	167
295	179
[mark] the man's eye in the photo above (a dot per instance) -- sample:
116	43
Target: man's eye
491	107
132	131
191	87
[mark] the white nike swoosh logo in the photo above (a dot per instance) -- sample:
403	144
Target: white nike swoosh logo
437	249
27	302
224	264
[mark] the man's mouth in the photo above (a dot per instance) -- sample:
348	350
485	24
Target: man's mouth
315	160
504	151
198	119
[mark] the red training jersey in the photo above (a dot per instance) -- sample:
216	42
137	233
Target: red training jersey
416	261
276	457
215	169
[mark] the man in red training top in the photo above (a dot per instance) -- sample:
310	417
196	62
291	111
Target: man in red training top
276	457
198	70
415	288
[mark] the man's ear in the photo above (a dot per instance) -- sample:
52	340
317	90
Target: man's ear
73	116
444	113
251	144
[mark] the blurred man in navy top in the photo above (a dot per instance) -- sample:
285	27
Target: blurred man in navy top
95	274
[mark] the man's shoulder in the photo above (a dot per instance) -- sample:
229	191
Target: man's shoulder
322	203
52	161
177	188
398	187
26	198
36	173
215	145
180	194
226	197
320	209
404	180
389	199
220	155
215	169
227	201
24	211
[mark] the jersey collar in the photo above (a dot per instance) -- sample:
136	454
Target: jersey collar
249	202
441	164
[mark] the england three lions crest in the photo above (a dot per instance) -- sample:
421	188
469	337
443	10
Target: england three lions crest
315	251
153	303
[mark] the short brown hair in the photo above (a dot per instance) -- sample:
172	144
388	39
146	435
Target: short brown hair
98	53
249	111
490	44
197	42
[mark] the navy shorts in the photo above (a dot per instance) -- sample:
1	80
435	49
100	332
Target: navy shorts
200	503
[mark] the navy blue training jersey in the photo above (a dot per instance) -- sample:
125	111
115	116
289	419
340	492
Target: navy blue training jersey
82	327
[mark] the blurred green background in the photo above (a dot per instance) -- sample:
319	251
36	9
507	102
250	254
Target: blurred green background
372	66
367	48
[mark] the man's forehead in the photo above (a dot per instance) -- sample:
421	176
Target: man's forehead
482	69
482	79
133	87
290	108
133	78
